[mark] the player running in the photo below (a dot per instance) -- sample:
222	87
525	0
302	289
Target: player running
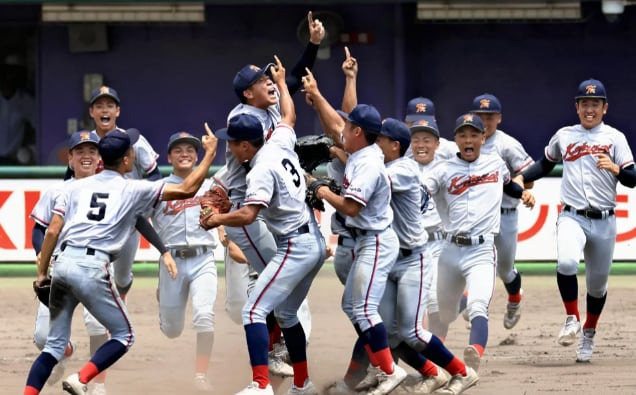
595	158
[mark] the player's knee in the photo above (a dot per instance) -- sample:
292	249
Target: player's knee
477	308
597	291
235	311
567	267
39	338
252	314
171	330
506	274
203	321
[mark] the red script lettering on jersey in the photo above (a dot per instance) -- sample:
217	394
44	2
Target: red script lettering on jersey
174	207
579	150
460	184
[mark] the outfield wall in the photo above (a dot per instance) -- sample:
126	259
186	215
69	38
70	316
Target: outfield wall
536	227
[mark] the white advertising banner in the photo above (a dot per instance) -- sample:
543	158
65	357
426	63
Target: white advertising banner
537	230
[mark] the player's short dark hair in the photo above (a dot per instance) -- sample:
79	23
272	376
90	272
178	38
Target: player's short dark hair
113	163
403	149
258	143
370	136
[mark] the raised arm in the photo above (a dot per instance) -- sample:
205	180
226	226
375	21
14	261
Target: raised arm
350	70
286	103
308	58
331	122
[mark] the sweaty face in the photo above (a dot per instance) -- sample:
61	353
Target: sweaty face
423	145
590	112
83	159
262	93
469	141
183	156
104	112
490	120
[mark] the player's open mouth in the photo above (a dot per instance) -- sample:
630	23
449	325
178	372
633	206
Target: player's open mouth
105	119
86	163
271	92
421	153
469	150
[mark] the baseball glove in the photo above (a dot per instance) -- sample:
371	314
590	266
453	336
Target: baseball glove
213	201
43	290
312	186
313	151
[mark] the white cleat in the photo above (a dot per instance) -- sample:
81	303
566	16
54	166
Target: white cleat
99	389
570	331
370	380
201	383
388	382
307	389
73	386
459	383
278	367
339	388
586	345
254	389
427	385
472	357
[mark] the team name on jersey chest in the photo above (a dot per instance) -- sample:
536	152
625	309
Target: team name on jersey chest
576	151
460	184
174	207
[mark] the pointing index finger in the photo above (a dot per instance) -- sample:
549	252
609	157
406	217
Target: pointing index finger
208	130
347	53
310	18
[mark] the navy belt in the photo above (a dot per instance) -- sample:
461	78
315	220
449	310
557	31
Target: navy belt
357	232
505	210
465	240
591	214
405	252
89	251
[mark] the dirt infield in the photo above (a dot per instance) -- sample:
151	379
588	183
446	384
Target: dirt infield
526	360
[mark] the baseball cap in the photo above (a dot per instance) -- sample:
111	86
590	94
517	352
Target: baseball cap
241	127
364	115
425	125
469	120
593	89
396	130
418	108
247	76
114	145
133	134
104	91
183	137
486	103
81	137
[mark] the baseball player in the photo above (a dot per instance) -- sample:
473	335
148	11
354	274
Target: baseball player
92	219
471	187
259	97
83	157
488	108
421	109
276	189
595	158
104	110
193	250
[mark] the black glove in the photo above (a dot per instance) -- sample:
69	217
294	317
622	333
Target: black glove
312	186
43	290
313	151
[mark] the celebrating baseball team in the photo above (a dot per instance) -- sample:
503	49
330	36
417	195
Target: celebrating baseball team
424	225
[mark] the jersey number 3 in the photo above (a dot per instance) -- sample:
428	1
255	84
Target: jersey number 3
98	206
289	166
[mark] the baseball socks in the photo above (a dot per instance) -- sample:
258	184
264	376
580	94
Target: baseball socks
513	289
95	342
205	342
476	342
296	342
257	346
569	289
39	373
378	347
594	309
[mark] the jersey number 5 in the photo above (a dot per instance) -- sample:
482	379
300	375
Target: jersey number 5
98	208
292	170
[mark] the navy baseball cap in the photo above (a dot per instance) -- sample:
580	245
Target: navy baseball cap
364	115
418	108
247	76
469	120
396	130
81	137
592	89
486	103
114	145
242	127
425	125
183	137
104	91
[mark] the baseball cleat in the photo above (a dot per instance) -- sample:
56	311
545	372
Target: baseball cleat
512	315
569	332
427	385
370	380
307	389
254	389
586	345
201	383
388	382
339	388
472	357
459	383
99	389
73	386
278	367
